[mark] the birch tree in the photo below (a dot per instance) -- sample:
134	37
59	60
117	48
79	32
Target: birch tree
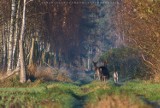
10	43
16	33
22	64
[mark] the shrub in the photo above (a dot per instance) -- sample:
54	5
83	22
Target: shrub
44	73
127	61
48	73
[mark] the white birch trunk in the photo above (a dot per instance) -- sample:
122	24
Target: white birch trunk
16	34
4	48
31	52
22	64
55	58
88	63
18	62
10	44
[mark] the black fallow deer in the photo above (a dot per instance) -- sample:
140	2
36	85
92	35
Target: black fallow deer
101	72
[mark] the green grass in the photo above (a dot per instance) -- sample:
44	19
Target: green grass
149	90
70	95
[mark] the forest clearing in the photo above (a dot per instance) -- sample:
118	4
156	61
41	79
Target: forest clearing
79	53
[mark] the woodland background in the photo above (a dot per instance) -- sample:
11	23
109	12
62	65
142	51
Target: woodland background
70	35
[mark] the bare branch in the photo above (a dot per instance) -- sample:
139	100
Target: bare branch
147	61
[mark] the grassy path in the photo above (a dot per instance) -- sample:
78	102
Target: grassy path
93	95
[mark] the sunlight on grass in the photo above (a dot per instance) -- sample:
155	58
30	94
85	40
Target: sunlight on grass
70	95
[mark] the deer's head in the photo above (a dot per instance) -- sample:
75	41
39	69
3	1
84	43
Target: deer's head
94	64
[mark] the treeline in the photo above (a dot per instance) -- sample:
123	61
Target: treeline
72	35
40	32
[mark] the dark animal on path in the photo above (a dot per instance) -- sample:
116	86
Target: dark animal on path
101	72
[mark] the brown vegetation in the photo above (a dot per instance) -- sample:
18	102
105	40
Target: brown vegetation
47	73
137	22
117	102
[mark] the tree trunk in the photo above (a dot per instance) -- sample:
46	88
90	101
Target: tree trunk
22	64
10	44
88	63
31	52
4	49
89	59
18	62
16	34
55	59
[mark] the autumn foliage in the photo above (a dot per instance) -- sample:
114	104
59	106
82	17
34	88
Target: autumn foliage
138	22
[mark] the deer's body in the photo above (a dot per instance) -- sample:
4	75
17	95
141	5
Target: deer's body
101	72
104	73
97	73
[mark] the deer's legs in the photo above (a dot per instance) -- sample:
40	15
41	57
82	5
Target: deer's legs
104	78
117	80
99	77
94	76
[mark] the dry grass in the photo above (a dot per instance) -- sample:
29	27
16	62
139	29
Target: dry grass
4	74
1	75
117	102
44	73
62	77
48	74
157	77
